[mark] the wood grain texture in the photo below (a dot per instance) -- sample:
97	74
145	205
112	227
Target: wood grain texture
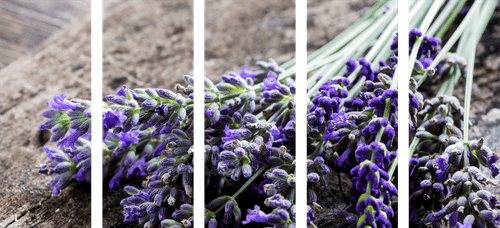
25	24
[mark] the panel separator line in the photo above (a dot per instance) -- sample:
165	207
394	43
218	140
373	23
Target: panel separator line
96	99
301	112
199	128
403	113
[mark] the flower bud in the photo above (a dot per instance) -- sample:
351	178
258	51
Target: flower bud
212	223
425	135
418	66
474	198
269	187
278	174
462	201
384	78
167	161
413	84
465	176
246	170
209	96
323	169
148	224
318	161
443	138
62	167
450	182
171	201
291	180
309	162
283	214
181	168
282	150
476	144
227	155
316	207
484	194
131	190
186	223
425	183
368	85
490	216
451	207
431	72
313	177
423	169
229	207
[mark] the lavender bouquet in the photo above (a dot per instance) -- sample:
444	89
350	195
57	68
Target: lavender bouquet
250	136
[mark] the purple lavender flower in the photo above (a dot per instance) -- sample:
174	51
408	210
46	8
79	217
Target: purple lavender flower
113	119
149	132
246	73
128	138
271	82
350	66
60	102
255	215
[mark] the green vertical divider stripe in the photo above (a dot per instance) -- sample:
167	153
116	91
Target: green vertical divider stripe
403	75
300	159
198	114
96	113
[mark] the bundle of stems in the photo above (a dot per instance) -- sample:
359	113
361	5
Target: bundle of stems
468	33
364	36
370	36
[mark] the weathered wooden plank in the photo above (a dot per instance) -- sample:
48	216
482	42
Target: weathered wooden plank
10	53
13	46
24	24
11	19
33	15
61	9
12	32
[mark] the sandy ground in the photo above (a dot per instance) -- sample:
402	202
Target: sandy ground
151	45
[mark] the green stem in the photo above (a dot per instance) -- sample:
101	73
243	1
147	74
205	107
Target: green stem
444	90
249	181
326	60
347	51
292	195
319	146
387	112
276	114
361	46
474	33
486	13
336	67
219	209
362	24
338	42
416	15
446	18
458	32
383	40
393	166
423	28
468	83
